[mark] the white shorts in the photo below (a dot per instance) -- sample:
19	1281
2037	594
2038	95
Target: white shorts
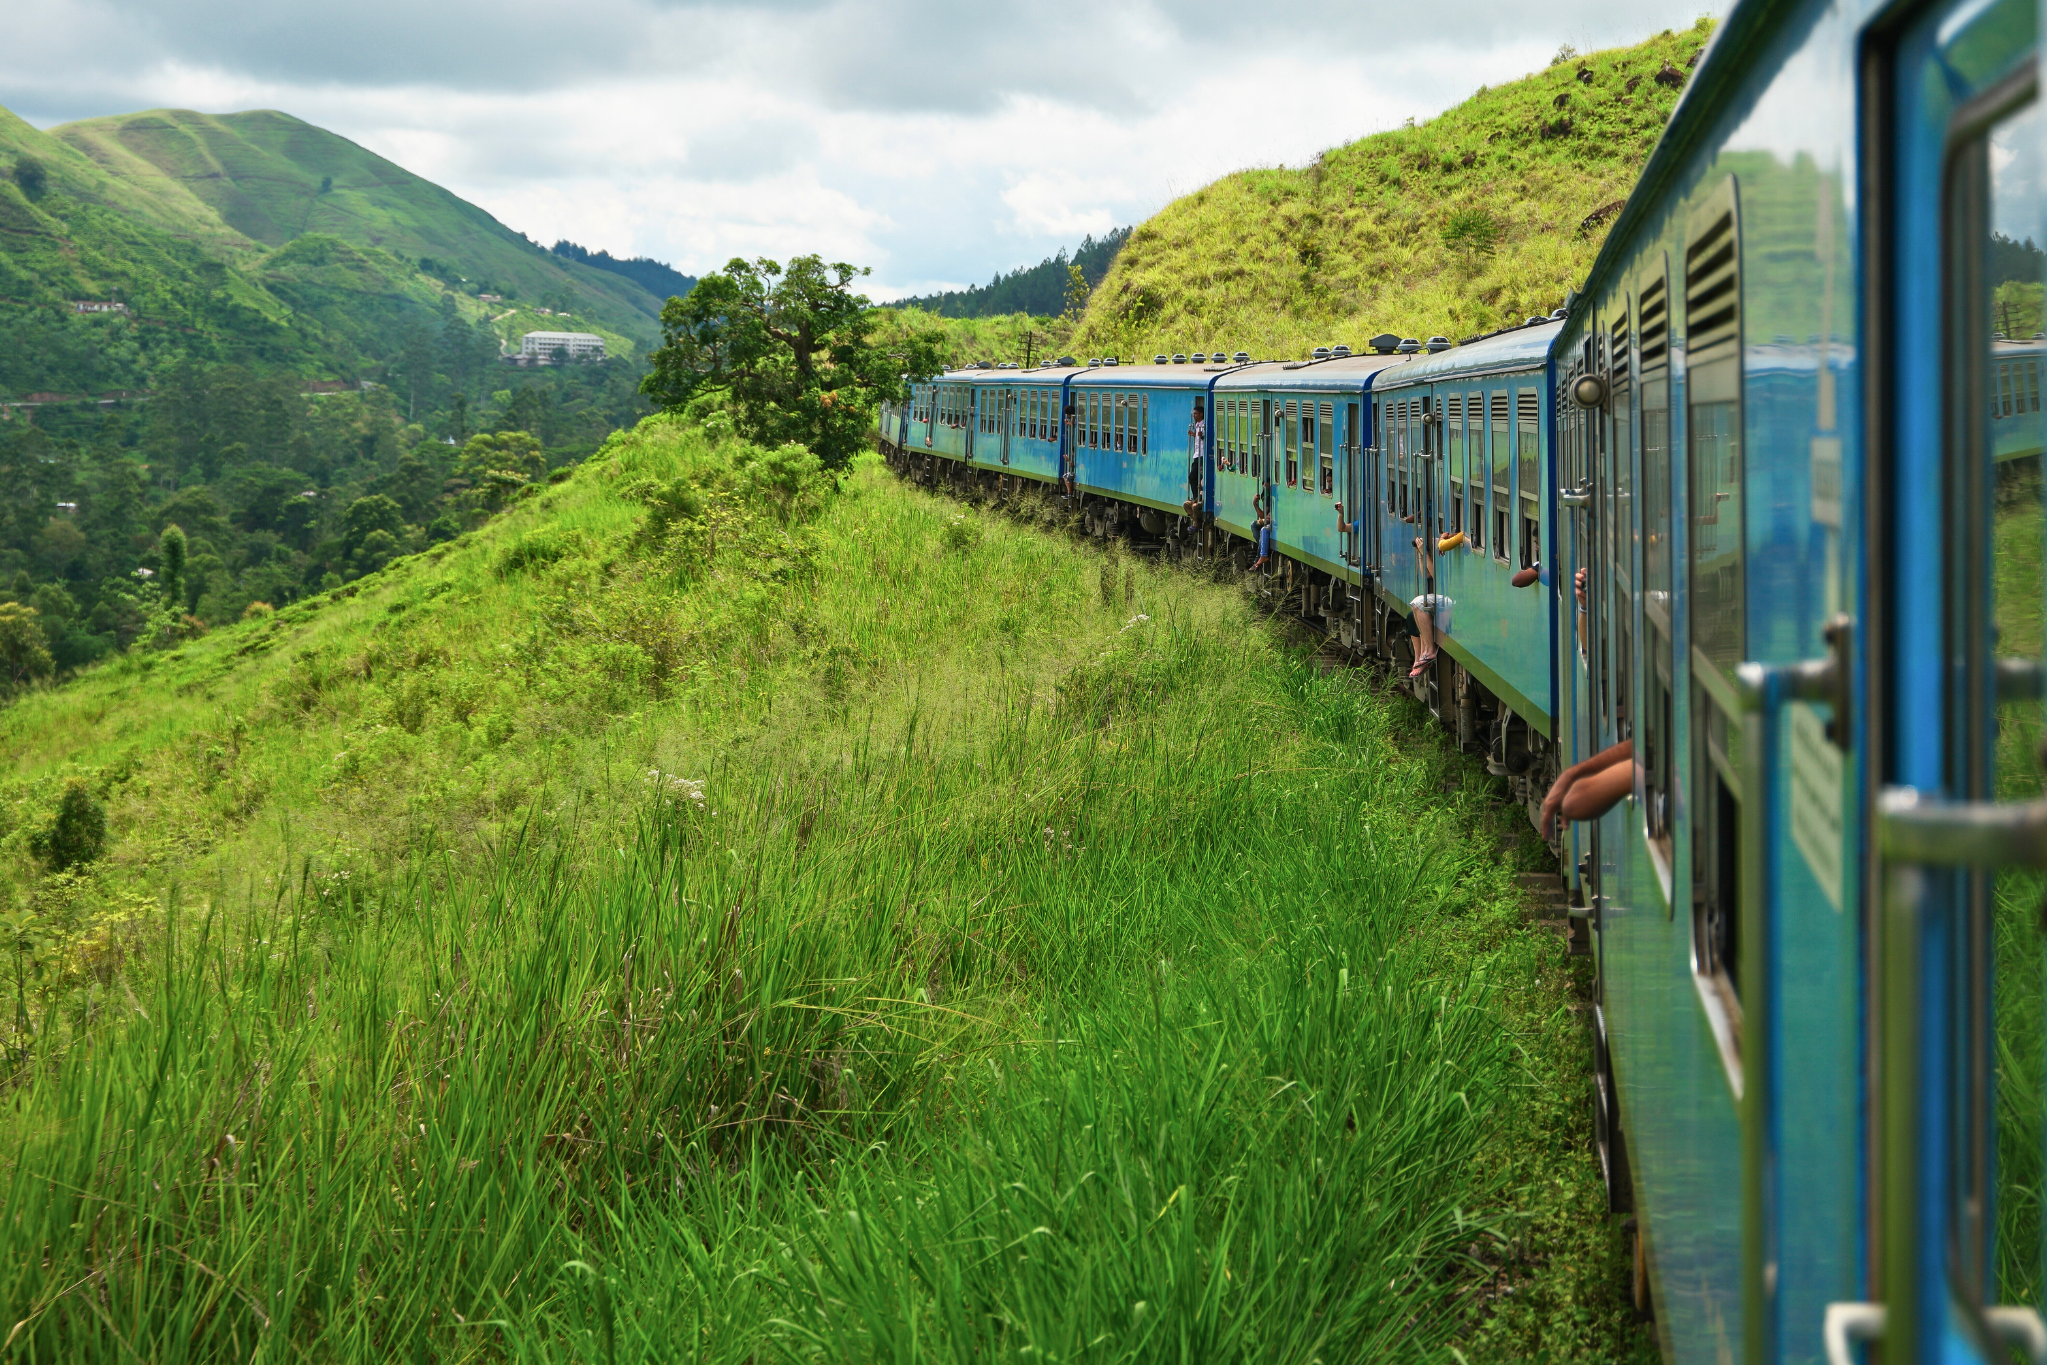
1437	605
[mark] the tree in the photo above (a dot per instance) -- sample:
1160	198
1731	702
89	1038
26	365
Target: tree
30	175
24	654
367	516
1472	233
76	834
170	551
794	349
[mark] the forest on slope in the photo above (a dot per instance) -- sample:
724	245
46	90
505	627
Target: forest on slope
303	374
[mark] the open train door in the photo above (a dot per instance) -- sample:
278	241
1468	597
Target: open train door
1953	647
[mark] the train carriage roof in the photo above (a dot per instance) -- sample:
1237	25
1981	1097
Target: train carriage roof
1343	374
1524	348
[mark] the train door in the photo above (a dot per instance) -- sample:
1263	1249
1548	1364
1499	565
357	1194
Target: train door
1006	421
977	399
1957	704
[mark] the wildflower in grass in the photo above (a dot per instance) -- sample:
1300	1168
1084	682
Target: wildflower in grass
1139	619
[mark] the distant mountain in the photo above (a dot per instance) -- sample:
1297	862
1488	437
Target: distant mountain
659	279
260	240
1040	290
271	178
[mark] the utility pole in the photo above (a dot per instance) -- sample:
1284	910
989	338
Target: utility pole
1027	350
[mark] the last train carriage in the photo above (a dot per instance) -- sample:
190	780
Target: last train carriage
1759	515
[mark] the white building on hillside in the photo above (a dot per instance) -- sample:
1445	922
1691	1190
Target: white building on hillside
542	346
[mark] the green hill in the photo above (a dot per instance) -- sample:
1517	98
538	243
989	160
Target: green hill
260	240
673	914
271	178
1481	216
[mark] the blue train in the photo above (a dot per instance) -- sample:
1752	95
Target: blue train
1750	536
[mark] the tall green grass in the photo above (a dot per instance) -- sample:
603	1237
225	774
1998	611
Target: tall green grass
954	961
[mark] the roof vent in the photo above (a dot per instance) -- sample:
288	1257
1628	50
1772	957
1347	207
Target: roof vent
1158	360
1339	352
1386	343
1109	360
1068	361
1319	353
1200	357
1180	360
1095	362
1435	344
1557	315
1241	358
1409	346
1534	320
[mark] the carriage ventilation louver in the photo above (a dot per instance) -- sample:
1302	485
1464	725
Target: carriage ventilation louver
1656	332
1712	301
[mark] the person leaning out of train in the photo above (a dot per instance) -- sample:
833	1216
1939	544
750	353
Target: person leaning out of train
1197	439
1347	533
1262	530
1589	789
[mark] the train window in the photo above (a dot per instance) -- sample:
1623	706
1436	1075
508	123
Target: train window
1653	342
1144	423
1621	535
1714	586
1290	433
1326	434
1454	489
1122	419
1528	412
1995	565
1476	463
1502	465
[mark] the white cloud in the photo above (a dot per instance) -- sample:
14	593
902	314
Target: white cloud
938	145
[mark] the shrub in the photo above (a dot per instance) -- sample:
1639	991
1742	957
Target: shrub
256	611
24	652
960	535
76	834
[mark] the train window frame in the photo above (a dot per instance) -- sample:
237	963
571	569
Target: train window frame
1326	452
1454	459
1290	438
1528	454
1661	672
1500	470
1711	294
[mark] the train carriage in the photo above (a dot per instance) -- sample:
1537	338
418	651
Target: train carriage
1776	473
1464	451
1802	478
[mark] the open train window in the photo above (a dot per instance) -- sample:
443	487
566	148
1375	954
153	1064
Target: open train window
1528	459
1653	437
1714	585
1144	424
1993	561
1619	533
1454	455
1502	463
1326	436
1290	415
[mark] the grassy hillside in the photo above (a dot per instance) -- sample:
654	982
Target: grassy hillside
258	240
1479	217
271	178
623	933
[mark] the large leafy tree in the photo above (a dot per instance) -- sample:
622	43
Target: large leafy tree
794	348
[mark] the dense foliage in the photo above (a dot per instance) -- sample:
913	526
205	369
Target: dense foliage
1039	290
657	278
795	350
277	493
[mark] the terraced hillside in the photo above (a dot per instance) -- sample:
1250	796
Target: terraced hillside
1485	214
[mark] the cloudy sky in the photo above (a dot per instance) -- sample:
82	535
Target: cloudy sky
937	143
